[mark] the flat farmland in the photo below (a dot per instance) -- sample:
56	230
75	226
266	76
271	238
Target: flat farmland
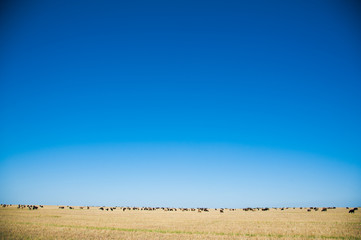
50	222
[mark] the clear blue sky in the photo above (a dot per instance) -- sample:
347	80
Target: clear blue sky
181	103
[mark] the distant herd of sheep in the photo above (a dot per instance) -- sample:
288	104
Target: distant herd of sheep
221	210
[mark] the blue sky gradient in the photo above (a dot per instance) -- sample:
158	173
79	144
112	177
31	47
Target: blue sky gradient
181	103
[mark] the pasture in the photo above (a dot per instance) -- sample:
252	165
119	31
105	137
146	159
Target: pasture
50	222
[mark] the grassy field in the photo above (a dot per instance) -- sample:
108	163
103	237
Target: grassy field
51	222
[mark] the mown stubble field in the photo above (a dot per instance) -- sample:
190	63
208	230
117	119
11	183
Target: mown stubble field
51	222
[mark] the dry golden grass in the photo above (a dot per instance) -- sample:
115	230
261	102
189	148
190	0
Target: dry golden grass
53	223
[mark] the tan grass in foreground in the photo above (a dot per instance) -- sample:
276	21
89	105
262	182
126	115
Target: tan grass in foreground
53	223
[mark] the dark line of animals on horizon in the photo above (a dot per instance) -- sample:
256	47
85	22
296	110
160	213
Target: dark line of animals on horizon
168	209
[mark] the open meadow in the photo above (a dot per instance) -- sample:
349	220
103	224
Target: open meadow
50	222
